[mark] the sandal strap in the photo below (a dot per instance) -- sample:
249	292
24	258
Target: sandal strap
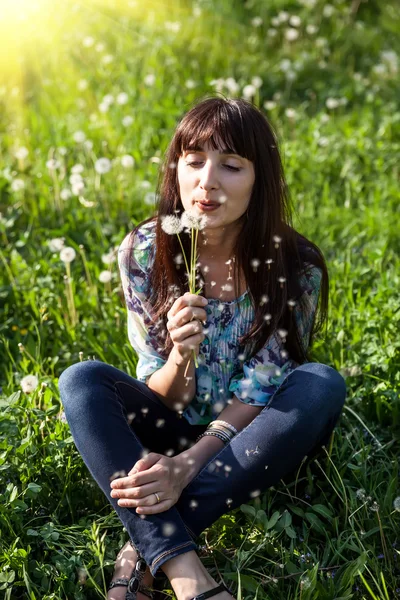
221	588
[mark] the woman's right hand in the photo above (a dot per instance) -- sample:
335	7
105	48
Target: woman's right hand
184	325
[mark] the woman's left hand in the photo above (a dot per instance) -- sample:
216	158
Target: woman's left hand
153	473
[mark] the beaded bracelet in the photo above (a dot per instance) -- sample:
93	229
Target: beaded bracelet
218	435
219	427
226	424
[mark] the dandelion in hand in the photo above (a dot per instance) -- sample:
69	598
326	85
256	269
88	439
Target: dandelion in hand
191	223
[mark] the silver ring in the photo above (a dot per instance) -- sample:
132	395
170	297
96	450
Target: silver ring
157	496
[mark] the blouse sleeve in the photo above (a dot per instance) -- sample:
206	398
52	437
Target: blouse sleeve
141	327
265	372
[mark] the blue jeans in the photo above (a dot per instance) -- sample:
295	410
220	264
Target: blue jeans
113	418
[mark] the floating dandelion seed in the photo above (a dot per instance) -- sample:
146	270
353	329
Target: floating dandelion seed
291	304
229	501
255	493
269	262
145	410
193	504
29	383
168	529
170	452
227	468
277	239
160	422
67	254
118	474
283	333
264	300
267	317
281	280
255	264
130	417
284	353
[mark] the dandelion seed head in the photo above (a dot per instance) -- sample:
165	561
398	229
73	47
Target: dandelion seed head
29	383
127	161
172	225
21	153
17	185
374	507
79	137
127	120
396	503
67	254
105	276
122	98
102	165
55	244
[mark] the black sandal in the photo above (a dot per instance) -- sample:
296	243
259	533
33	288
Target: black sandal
134	584
221	588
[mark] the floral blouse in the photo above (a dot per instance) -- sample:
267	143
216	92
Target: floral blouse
221	371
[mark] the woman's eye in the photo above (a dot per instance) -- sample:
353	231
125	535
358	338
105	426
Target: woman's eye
194	164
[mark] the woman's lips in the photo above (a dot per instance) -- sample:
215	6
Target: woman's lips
208	207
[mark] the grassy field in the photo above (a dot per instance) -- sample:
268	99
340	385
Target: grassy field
90	94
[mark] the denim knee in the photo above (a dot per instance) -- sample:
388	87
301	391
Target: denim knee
327	390
76	384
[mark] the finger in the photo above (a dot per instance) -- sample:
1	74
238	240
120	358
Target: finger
153	510
136	492
136	480
148	461
187	299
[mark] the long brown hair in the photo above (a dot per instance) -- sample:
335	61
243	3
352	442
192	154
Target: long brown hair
242	127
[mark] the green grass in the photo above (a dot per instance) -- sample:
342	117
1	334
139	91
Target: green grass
333	531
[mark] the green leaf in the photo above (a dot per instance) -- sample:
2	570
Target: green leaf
35	488
315	522
322	510
286	519
32	532
291	532
272	521
248	510
296	510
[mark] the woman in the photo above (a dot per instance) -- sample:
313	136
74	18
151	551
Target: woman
252	391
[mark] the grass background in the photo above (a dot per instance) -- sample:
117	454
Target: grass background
331	93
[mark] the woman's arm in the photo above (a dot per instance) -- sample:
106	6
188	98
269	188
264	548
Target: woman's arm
192	460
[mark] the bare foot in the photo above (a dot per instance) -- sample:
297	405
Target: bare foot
124	565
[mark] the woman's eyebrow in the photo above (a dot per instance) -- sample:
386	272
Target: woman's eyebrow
224	151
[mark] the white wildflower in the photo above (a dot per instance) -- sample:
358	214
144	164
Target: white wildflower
109	258
88	144
82	85
105	276
295	21
108	99
283	16
21	153
290	113
67	254
17	185
285	64
77	169
272	32
56	244
311	29
102	165
232	85
249	91
150	198
291	34
171	224
29	383
396	503
328	10
257	81
103	107
269	105
150	79
190	84
79	137
77	188
53	164
257	22
88	41
126	121
65	194
107	59
127	161
332	103
100	47
122	98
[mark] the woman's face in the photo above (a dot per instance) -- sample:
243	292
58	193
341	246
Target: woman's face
206	174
